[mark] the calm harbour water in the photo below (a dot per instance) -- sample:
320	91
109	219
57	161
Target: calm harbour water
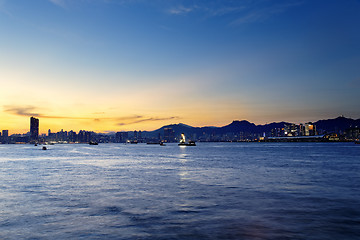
211	191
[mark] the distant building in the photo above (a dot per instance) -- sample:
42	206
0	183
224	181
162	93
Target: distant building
5	136
169	135
34	129
62	135
310	129
121	137
290	130
72	136
5	133
353	133
84	136
301	130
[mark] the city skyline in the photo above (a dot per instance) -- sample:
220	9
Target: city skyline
34	131
338	129
125	65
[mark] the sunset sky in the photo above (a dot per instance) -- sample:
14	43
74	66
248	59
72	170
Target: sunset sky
113	65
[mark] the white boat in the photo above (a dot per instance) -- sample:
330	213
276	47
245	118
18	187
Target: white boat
184	143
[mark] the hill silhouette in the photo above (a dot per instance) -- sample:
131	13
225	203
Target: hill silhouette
338	125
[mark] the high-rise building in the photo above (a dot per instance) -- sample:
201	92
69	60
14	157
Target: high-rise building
169	135
5	136
310	129
34	129
5	133
121	137
84	136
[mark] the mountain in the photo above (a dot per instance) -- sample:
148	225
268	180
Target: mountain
339	124
239	126
235	127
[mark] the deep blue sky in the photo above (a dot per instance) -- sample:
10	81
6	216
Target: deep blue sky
142	64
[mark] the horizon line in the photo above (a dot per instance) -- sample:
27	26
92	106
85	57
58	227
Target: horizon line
243	120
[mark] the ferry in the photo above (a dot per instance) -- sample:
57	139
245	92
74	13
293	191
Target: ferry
184	143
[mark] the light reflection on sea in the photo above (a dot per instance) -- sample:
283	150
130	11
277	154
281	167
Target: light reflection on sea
211	191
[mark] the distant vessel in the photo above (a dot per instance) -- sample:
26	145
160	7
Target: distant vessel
357	142
156	143
184	143
93	143
44	148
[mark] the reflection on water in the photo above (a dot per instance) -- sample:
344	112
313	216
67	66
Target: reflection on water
211	191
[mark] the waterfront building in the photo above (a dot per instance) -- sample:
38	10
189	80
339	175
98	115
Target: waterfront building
72	136
5	136
310	129
169	135
62	135
121	137
34	129
277	132
353	133
84	136
301	130
290	130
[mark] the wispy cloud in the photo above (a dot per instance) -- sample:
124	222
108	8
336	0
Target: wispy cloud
180	10
246	11
26	111
258	14
32	111
152	119
60	3
214	12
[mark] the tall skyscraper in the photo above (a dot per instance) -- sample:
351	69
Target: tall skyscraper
169	135
5	136
34	129
310	129
5	133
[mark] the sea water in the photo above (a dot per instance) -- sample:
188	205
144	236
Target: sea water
211	191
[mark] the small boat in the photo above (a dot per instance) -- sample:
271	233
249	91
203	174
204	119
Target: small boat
184	143
357	142
93	143
44	148
190	143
